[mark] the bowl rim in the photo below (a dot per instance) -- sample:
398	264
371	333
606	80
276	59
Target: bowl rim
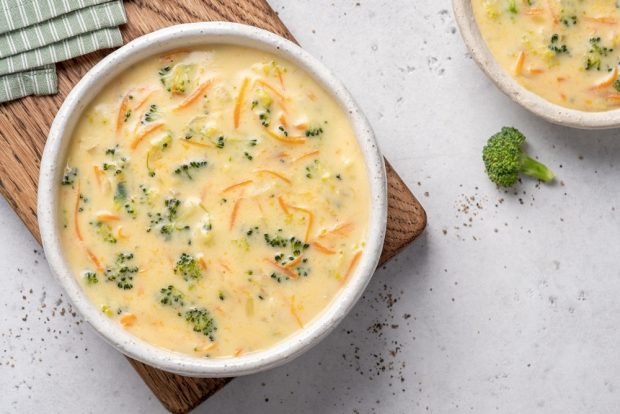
464	15
52	166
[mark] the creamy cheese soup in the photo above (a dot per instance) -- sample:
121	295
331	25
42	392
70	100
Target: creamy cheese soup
566	51
214	200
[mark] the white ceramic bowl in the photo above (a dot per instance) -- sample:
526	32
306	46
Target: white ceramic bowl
463	12
52	165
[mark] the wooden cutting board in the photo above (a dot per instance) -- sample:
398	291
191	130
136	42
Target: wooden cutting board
24	125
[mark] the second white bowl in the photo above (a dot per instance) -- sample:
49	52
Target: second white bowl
464	15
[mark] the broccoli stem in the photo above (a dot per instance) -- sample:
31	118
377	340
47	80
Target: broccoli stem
533	168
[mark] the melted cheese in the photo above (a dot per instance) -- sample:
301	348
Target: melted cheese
566	51
215	201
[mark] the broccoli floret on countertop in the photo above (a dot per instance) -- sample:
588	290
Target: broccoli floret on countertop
202	321
505	160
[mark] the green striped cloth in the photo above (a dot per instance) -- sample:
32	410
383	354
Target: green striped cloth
85	20
40	81
17	14
35	34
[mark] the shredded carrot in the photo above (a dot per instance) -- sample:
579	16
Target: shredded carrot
600	19
98	174
283	205
128	319
275	174
238	352
294	312
306	155
282	119
322	248
534	11
125	107
239	103
519	64
238	185
202	262
281	154
120	233
352	266
122	110
225	266
272	89
144	100
554	14
233	215
301	125
561	78
310	219
260	206
198	92
287	140
293	262
94	260
283	269
287	207
608	80
535	71
281	79
613	98
173	54
340	230
76	221
196	144
146	131
106	216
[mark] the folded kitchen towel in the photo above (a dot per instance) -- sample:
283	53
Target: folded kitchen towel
109	14
43	32
40	81
63	50
16	14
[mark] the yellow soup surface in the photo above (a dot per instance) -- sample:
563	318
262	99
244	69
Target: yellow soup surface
566	51
214	200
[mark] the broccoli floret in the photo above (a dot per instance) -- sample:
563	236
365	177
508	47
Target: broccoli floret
178	78
192	165
151	115
314	132
90	278
156	150
505	160
188	267
597	52
171	296
512	6
556	47
120	195
69	177
105	232
121	272
202	322
166	221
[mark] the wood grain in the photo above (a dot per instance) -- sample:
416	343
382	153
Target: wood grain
24	125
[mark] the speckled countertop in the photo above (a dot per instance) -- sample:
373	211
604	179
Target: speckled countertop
508	303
